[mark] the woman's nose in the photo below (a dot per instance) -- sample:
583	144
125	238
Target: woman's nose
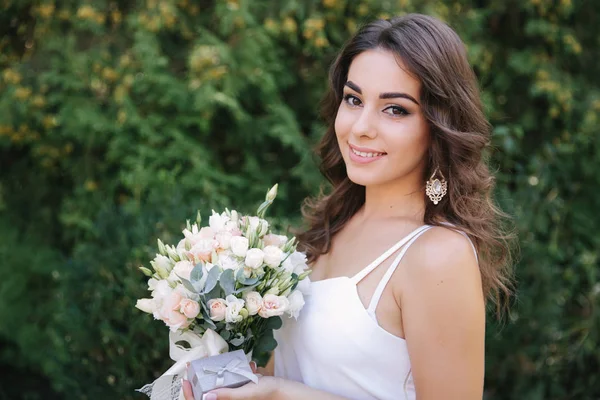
364	125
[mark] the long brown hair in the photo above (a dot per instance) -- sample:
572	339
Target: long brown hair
460	133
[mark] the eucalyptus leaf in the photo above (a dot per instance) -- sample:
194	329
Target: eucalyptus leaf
187	284
225	334
197	273
227	281
212	279
238	341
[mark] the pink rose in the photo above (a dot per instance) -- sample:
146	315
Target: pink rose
217	309
273	305
189	308
176	320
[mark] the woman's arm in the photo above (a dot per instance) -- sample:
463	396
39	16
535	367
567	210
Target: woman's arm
443	313
268	388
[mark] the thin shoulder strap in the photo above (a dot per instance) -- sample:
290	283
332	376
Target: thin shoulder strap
367	270
388	274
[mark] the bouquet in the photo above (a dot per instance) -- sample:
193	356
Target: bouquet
224	287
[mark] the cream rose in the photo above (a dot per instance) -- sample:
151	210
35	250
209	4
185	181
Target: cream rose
217	221
254	258
189	308
217	308
253	302
273	256
273	305
239	245
183	269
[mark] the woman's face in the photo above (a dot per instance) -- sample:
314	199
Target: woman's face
381	131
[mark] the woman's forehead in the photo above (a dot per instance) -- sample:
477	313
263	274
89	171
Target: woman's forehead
377	71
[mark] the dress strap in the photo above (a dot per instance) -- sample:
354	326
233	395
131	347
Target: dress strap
388	274
367	270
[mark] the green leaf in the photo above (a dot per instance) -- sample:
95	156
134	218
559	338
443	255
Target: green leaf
227	281
212	279
274	323
265	344
225	334
197	273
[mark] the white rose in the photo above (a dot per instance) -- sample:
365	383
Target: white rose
224	239
183	269
146	305
239	245
234	305
253	302
273	256
228	262
217	221
295	263
254	258
273	305
296	299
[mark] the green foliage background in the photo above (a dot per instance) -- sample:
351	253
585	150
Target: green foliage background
119	119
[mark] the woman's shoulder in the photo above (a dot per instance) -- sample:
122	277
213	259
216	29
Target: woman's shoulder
443	250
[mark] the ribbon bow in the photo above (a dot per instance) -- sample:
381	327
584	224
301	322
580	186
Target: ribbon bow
232	367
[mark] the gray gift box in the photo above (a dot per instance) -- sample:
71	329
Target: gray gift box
228	370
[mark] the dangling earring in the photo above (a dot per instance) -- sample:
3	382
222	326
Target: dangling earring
436	188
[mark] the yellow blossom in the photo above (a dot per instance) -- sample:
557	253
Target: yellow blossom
91	185
22	93
109	74
330	3
289	25
5	130
49	121
270	24
11	76
321	42
86	12
116	16
363	9
121	117
38	101
46	10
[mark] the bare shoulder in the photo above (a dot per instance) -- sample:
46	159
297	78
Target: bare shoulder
440	252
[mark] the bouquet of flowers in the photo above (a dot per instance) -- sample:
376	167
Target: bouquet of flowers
222	288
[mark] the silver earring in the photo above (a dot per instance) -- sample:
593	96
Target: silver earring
436	188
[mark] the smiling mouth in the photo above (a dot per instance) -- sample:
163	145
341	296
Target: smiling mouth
365	154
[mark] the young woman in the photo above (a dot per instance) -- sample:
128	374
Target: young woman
408	245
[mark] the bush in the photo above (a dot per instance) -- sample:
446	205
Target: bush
118	120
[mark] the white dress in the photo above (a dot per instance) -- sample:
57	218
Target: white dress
337	346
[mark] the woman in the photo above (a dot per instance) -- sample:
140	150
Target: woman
408	245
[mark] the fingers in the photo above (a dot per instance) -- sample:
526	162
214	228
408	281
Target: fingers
187	390
253	367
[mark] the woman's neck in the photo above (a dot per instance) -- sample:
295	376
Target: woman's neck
399	199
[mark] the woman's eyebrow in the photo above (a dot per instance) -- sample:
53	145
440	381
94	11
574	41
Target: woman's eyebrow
387	95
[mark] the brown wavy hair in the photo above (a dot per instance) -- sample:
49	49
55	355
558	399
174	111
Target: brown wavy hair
460	134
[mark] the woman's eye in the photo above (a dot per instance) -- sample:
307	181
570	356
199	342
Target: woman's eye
396	111
352	100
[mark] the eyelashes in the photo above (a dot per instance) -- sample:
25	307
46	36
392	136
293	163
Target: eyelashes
393	110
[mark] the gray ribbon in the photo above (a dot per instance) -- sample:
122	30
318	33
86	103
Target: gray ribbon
231	367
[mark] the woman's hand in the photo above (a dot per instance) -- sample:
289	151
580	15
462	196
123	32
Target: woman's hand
266	389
